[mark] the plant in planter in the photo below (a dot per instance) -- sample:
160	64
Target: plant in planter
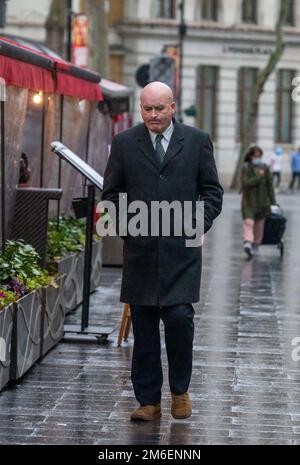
66	239
21	272
6	298
23	280
65	254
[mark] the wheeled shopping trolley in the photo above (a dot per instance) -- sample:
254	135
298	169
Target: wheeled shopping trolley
275	226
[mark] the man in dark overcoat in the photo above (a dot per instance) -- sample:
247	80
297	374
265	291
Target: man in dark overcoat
162	160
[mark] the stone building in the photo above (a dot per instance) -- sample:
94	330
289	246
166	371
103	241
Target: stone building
226	42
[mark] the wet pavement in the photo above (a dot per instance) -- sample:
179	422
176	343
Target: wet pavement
245	386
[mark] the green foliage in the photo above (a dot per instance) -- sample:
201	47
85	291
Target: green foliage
45	279
6	298
20	261
20	272
68	238
191	111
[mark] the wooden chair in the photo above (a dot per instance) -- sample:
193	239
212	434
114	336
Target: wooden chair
125	325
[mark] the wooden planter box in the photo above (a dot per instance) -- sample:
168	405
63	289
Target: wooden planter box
26	338
53	316
96	265
30	328
72	266
6	325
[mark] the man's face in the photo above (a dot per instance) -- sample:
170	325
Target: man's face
157	110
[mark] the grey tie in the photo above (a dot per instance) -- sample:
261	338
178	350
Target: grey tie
159	148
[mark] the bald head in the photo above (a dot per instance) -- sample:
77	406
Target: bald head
157	89
157	106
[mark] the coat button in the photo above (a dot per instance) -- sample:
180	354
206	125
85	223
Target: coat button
162	176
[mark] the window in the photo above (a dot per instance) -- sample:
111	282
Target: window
284	107
207	93
209	10
290	15
246	81
249	11
166	8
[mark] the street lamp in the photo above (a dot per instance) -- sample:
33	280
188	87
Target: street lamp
37	98
69	29
182	34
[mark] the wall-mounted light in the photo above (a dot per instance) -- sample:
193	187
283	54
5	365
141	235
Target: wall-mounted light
37	98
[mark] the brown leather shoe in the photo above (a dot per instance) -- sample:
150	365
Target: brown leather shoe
181	406
146	413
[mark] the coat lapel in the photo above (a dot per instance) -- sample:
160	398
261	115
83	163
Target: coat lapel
146	146
175	145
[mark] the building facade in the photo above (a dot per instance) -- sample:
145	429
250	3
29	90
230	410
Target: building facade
226	42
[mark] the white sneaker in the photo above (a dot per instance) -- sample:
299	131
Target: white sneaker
248	248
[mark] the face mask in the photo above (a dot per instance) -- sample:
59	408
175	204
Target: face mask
256	161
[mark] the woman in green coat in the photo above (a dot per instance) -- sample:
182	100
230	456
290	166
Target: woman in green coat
257	197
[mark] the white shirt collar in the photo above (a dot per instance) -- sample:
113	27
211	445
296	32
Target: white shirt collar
167	134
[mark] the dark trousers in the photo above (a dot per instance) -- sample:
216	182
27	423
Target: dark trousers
296	175
277	177
146	372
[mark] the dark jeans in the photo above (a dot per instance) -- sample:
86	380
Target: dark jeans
146	372
296	175
277	176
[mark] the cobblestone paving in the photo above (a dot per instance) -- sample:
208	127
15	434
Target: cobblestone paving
245	386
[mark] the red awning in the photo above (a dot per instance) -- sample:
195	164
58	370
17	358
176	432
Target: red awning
21	74
74	86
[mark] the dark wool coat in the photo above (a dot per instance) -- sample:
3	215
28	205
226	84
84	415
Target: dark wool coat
258	192
162	270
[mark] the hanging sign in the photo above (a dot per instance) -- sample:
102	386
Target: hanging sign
80	40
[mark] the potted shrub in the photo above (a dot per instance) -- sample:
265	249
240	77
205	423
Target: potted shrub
65	254
23	277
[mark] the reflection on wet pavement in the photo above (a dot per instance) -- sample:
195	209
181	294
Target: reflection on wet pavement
245	386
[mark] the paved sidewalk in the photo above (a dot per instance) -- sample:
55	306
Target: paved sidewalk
245	386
